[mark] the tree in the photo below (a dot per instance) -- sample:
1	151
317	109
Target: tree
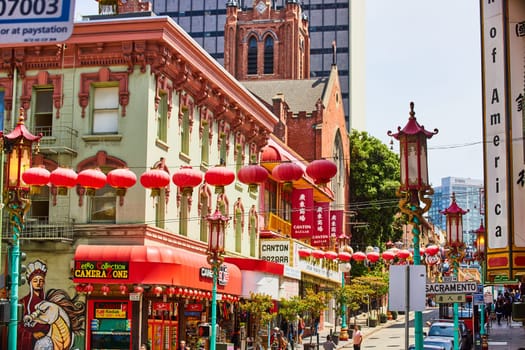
311	306
288	310
377	285
374	179
258	307
352	295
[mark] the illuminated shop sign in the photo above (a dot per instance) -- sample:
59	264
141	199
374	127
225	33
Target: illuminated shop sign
223	277
101	270
111	310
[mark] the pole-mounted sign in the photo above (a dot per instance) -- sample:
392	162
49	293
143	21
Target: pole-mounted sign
36	21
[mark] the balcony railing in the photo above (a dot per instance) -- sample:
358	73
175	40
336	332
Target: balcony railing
58	140
39	229
277	224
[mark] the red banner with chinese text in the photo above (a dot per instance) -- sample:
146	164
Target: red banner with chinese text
302	213
336	223
321	231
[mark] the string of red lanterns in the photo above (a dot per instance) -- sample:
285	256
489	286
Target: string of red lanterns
170	291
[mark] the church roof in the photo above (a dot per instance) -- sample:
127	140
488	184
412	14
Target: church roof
299	95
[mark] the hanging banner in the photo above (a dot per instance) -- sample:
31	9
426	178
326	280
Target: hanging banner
336	223
302	213
321	231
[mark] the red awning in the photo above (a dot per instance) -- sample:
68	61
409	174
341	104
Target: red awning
256	265
151	265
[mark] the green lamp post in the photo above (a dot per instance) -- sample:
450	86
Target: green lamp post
414	188
217	223
18	146
344	256
480	254
455	250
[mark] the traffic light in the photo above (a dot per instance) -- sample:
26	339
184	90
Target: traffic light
22	269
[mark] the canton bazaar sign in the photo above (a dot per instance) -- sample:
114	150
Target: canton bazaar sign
277	251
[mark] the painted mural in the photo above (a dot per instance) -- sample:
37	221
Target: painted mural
50	320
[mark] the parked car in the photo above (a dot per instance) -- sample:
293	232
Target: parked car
426	347
445	328
442	342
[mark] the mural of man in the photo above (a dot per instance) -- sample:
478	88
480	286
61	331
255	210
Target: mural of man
28	334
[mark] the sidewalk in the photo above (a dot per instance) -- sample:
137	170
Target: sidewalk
507	336
361	320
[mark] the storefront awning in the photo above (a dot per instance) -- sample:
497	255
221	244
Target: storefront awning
256	265
155	265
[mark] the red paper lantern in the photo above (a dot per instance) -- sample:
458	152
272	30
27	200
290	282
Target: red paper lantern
388	255
321	170
359	256
123	289
79	288
91	180
104	289
121	179
287	173
432	250
158	291
344	256
155	179
330	255
252	175
219	176
373	257
36	176
63	179
304	253
187	178
403	254
88	289
138	289
318	254
170	291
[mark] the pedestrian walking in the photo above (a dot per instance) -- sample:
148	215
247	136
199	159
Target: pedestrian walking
329	344
357	337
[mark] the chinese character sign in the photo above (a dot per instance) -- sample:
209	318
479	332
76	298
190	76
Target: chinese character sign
336	223
302	213
321	231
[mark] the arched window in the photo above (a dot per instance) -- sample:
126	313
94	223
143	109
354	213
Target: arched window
252	56
268	55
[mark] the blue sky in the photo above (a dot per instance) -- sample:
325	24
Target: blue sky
427	52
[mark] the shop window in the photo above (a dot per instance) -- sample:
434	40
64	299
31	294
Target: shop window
160	210
253	233
39	210
268	55
286	205
270	197
185	132
238	229
43	112
105	110
205	142
183	216
162	118
252	56
205	209
103	205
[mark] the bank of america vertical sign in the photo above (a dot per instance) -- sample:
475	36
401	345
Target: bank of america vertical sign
495	120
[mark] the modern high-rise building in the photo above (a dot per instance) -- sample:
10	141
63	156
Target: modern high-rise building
339	21
468	194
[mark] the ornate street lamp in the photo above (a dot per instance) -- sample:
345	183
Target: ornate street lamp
217	223
480	255
414	188
344	256
18	145
455	249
